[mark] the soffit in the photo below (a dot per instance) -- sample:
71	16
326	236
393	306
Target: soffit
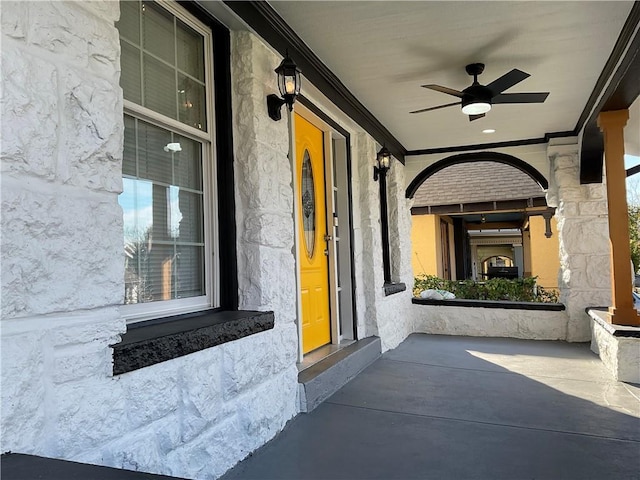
384	51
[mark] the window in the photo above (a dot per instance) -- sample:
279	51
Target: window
168	167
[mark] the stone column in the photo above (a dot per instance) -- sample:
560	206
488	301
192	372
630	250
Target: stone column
581	211
622	311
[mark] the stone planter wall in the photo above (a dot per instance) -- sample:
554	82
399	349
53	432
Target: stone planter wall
476	321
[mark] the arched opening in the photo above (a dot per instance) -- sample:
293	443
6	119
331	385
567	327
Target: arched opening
476	157
478	218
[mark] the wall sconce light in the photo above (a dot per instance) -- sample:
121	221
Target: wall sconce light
289	86
383	163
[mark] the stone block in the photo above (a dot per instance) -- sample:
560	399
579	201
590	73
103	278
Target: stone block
93	132
145	449
77	267
596	208
596	191
285	346
29	113
64	28
152	393
106	10
14	16
598	271
81	361
23	392
103	326
202	400
89	413
211	454
568	209
585	235
565	161
269	229
246	363
264	411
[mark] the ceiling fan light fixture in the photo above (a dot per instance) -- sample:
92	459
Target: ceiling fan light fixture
476	108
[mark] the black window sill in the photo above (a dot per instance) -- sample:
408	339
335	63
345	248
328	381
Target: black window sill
393	288
461	302
148	343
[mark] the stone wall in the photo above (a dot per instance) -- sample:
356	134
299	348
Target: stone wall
581	211
491	322
62	258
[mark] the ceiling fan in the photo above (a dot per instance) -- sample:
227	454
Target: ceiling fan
476	100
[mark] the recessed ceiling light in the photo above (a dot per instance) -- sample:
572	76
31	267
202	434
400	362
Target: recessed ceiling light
489	130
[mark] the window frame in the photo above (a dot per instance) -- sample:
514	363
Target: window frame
211	299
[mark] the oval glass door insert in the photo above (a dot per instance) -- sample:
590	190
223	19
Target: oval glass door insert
308	205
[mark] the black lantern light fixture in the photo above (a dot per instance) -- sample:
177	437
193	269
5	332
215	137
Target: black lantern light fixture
289	86
383	163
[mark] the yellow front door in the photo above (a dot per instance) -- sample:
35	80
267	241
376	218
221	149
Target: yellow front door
312	228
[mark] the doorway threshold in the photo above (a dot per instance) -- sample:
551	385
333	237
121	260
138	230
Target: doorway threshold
322	379
319	354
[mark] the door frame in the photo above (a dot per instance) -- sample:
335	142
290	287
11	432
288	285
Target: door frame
329	133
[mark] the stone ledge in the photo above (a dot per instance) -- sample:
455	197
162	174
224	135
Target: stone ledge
156	341
599	315
617	346
461	302
392	288
320	381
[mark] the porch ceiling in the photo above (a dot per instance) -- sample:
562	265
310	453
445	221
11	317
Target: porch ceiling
384	51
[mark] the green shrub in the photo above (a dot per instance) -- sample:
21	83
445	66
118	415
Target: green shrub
516	290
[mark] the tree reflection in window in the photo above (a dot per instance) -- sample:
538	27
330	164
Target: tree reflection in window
308	205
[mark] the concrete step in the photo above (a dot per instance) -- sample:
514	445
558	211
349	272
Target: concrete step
320	381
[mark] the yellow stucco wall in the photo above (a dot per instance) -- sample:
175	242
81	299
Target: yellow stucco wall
545	261
424	256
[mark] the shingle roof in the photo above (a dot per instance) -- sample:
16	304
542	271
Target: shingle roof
476	182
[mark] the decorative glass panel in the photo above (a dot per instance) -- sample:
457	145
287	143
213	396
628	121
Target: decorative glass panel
308	205
163	220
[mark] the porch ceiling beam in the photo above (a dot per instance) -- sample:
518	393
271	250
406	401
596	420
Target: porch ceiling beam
623	70
529	205
493	225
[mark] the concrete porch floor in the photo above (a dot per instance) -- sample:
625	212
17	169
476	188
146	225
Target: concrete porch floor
465	408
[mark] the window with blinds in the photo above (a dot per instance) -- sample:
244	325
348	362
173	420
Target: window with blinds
167	198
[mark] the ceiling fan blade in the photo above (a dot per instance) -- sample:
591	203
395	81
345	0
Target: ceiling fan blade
439	88
538	97
435	108
475	117
506	81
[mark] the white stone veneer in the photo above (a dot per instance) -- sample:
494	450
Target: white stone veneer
583	231
62	259
491	322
